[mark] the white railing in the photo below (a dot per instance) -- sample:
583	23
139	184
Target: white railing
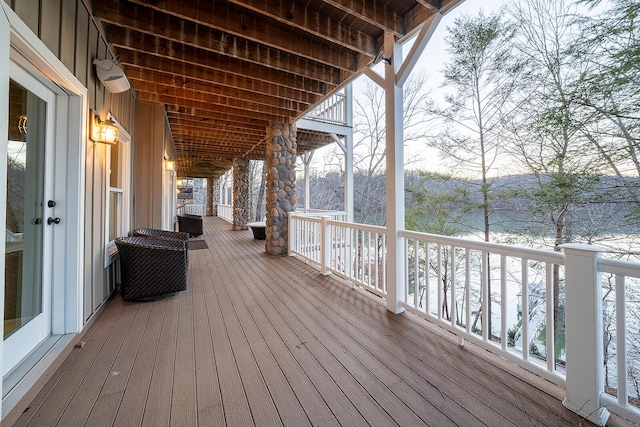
317	213
355	252
621	288
545	311
191	209
225	212
305	237
331	110
482	292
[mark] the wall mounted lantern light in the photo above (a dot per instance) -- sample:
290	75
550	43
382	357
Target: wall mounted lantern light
104	131
169	165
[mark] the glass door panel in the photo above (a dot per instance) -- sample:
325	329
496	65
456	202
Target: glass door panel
24	211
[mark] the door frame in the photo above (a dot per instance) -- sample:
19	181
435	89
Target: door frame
19	43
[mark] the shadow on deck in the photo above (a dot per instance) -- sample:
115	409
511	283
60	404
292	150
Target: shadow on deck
261	340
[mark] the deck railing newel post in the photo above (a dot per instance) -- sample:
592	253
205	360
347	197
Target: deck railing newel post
292	231
325	244
584	332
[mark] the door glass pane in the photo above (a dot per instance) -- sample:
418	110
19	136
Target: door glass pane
24	210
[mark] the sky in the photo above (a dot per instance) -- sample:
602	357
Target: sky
431	62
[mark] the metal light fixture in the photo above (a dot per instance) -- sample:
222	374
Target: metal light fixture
104	131
169	165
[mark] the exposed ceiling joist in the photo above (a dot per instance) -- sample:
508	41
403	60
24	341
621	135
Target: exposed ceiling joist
225	69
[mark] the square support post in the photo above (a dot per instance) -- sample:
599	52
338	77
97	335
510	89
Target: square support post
395	175
584	332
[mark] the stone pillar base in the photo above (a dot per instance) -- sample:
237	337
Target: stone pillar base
281	184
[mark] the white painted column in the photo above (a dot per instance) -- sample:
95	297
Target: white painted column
584	332
348	158
306	160
395	174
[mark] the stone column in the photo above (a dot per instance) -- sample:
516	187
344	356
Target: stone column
212	197
240	193
281	185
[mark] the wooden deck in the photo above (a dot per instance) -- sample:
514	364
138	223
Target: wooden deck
261	340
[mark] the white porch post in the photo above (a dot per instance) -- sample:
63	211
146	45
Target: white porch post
395	174
584	332
348	158
306	160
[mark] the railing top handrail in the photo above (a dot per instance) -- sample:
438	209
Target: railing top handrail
303	217
616	266
318	212
356	226
494	248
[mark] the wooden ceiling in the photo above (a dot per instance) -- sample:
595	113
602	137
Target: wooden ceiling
225	69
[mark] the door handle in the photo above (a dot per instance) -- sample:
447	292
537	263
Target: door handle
55	220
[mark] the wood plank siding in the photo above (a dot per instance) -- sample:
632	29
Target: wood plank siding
260	340
70	32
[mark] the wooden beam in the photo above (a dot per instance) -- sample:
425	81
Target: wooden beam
224	19
371	12
280	107
182	75
225	65
216	115
314	22
222	122
152	81
224	44
199	125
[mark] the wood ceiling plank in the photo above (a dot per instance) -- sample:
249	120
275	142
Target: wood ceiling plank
183	75
373	13
216	115
282	107
236	49
148	82
259	75
224	105
221	122
237	132
314	22
144	14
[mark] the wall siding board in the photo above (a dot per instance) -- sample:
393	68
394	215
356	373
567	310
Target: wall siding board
82	41
100	89
68	33
98	226
50	25
88	232
29	12
93	53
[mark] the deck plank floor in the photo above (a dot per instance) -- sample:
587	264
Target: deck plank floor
266	341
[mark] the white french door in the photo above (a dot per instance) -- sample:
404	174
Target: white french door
30	215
